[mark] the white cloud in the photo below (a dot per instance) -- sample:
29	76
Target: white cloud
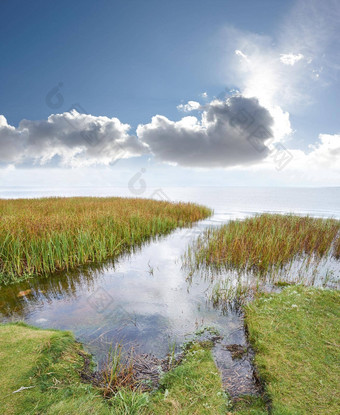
285	71
190	106
69	139
290	58
321	161
271	85
241	54
326	153
221	136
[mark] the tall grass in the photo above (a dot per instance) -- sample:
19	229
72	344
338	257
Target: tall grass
261	247
40	236
265	241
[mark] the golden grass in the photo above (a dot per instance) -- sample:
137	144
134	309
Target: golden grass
243	257
265	242
39	236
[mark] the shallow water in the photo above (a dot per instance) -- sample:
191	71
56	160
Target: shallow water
144	300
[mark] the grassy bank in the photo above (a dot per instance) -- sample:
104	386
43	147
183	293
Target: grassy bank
194	387
48	363
296	332
296	337
39	236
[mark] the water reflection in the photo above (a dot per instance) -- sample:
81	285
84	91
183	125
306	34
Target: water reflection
20	299
142	300
122	302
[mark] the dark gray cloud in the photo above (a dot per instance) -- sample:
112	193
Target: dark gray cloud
72	138
228	133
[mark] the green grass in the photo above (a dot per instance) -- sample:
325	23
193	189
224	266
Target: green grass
40	236
295	334
50	361
249	405
297	338
194	387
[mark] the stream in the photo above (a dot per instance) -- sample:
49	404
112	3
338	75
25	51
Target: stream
143	301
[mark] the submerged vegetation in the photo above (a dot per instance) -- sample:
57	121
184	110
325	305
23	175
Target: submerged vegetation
40	236
267	248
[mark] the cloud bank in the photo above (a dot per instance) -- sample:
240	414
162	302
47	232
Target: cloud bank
68	139
227	133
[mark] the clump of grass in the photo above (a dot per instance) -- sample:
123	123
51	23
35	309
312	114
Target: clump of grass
250	405
265	242
296	337
261	249
337	249
40	236
118	372
127	402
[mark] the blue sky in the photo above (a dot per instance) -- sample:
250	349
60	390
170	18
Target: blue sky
134	60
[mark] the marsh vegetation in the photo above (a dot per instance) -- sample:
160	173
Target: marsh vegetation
293	331
242	257
40	236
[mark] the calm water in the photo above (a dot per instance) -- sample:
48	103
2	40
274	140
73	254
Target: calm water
144	299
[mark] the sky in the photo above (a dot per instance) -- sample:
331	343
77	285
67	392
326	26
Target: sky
183	93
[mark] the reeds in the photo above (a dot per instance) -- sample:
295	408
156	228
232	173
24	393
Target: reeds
40	236
265	242
241	257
